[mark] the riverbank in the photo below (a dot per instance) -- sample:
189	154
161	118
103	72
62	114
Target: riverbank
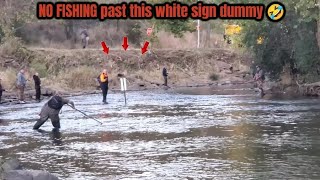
76	69
74	72
217	88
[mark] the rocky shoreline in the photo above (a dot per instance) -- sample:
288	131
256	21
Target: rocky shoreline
215	88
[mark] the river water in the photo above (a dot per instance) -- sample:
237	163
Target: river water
161	135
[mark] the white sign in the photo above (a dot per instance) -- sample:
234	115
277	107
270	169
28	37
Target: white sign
123	83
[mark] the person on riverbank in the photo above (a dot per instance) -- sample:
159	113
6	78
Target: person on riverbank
21	85
1	90
104	85
165	76
253	69
85	38
51	109
231	69
259	78
37	86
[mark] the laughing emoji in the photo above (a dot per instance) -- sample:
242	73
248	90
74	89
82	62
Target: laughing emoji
276	11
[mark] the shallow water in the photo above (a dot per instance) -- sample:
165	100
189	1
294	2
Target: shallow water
169	136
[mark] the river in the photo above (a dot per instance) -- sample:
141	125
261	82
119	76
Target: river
162	135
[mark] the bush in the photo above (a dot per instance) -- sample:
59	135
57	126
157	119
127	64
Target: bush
78	78
134	33
214	77
8	77
40	68
10	46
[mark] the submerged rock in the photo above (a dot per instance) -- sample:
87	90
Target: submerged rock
12	170
28	175
12	164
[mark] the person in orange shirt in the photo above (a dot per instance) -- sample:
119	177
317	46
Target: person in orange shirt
104	84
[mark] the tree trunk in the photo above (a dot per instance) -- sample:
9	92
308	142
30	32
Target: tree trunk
69	29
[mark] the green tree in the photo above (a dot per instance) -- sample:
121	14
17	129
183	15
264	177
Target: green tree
291	41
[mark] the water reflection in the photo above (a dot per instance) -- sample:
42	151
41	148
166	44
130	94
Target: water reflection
170	136
54	136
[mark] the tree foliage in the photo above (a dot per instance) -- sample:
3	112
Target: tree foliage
292	41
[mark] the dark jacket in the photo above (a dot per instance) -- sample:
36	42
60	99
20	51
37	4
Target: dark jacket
37	81
1	90
46	110
21	80
260	75
164	72
85	33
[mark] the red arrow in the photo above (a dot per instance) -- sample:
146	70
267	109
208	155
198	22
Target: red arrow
145	47
105	47
125	43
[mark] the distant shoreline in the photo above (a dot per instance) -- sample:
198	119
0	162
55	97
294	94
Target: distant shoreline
197	89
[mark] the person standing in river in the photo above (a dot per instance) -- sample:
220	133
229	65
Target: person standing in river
51	110
1	90
259	78
104	85
165	76
37	85
21	84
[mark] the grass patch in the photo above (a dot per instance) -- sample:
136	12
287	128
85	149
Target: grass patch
10	46
40	68
79	78
8	77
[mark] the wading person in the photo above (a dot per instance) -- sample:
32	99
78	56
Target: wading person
37	85
259	78
51	109
1	90
165	76
104	85
85	38
21	84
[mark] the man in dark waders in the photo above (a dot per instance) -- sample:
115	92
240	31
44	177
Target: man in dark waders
259	78
104	84
1	90
51	110
165	76
37	85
